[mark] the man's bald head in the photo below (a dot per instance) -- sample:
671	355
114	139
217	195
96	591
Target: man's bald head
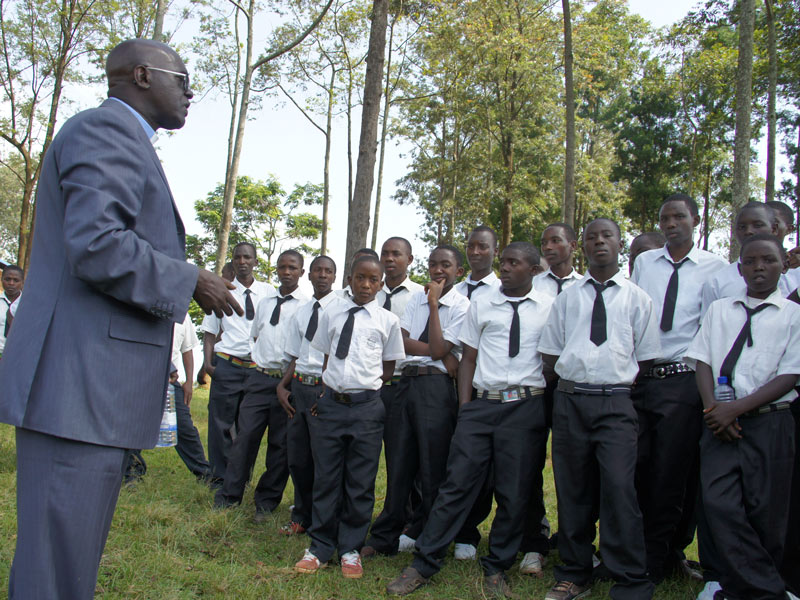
128	54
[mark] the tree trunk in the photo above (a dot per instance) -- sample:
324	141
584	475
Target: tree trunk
707	209
568	208
358	216
744	92
769	188
158	26
384	127
326	176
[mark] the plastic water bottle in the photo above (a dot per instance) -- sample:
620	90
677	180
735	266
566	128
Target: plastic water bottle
724	392
168	434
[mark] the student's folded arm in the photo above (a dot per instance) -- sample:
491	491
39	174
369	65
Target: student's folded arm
414	347
282	389
705	383
388	370
769	392
550	361
466	373
439	347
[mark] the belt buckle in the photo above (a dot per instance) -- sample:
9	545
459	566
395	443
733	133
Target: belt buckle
660	372
412	370
567	387
510	395
343	398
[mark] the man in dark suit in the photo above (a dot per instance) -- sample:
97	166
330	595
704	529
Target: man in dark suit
84	372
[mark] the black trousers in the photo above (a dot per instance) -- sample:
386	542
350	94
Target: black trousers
506	436
425	411
791	555
226	394
670	422
746	489
346	443
259	411
594	461
298	446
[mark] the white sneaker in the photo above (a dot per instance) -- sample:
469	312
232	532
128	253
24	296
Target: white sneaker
711	588
351	565
406	544
531	564
465	552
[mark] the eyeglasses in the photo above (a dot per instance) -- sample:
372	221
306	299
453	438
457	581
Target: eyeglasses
183	76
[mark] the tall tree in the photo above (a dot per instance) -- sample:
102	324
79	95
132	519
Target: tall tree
568	207
772	92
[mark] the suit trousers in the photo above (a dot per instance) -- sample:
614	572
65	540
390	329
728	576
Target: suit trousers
66	496
505	435
259	411
189	446
426	409
298	448
670	422
226	394
594	461
791	554
746	488
346	443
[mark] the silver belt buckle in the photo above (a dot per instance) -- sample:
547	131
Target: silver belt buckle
509	395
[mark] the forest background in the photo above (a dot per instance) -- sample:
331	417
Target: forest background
305	133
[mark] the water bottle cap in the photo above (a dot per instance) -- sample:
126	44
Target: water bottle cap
722	380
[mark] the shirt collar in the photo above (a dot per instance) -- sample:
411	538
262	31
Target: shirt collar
490	278
402	284
572	275
775	298
149	131
694	254
618	278
498	297
240	287
372	307
325	300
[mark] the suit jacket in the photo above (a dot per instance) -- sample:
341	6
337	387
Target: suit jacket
89	353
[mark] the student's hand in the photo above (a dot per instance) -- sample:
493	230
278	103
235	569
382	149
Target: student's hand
730	434
187	393
793	257
721	417
434	291
313	410
213	295
284	399
209	368
451	364
173	377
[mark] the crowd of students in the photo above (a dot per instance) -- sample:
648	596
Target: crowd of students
462	383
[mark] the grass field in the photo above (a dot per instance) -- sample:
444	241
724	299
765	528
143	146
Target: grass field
167	542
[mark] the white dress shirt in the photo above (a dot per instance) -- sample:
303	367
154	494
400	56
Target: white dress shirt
5	306
486	328
631	327
776	340
184	339
545	283
403	294
490	282
728	282
452	310
652	272
235	329
267	341
309	359
376	338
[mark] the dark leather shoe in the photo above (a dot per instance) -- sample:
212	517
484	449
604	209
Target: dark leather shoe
497	586
409	581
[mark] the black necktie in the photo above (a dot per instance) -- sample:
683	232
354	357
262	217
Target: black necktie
471	287
513	334
598	334
249	311
343	347
423	337
729	364
276	312
387	304
311	329
559	282
671	297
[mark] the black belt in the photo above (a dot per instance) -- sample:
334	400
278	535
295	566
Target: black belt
592	389
768	408
665	370
416	370
511	394
356	398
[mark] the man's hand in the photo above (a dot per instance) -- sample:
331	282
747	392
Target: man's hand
209	368
434	290
173	377
793	257
451	364
213	294
720	418
187	392
283	399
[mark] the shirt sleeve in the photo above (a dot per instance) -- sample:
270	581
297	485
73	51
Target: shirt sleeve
470	333
700	348
646	333
709	294
458	314
393	348
294	336
189	336
554	336
408	314
789	363
324	335
211	324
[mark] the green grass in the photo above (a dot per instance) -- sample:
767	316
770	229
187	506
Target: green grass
167	542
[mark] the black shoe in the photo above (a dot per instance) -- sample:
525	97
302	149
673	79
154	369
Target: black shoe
223	501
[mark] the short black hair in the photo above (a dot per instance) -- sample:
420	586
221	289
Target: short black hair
323	257
402	240
764	237
366	258
366	251
530	252
251	244
571	236
690	203
783	209
651	236
755	205
292	252
453	250
484	228
612	221
14	268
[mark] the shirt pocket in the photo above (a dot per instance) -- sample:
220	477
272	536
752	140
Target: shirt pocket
620	340
371	347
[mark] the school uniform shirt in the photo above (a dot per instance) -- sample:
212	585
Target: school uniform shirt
776	339
486	328
452	310
345	293
235	338
376	338
631	327
184	339
402	296
728	282
267	341
545	283
490	282
6	305
652	272
309	359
